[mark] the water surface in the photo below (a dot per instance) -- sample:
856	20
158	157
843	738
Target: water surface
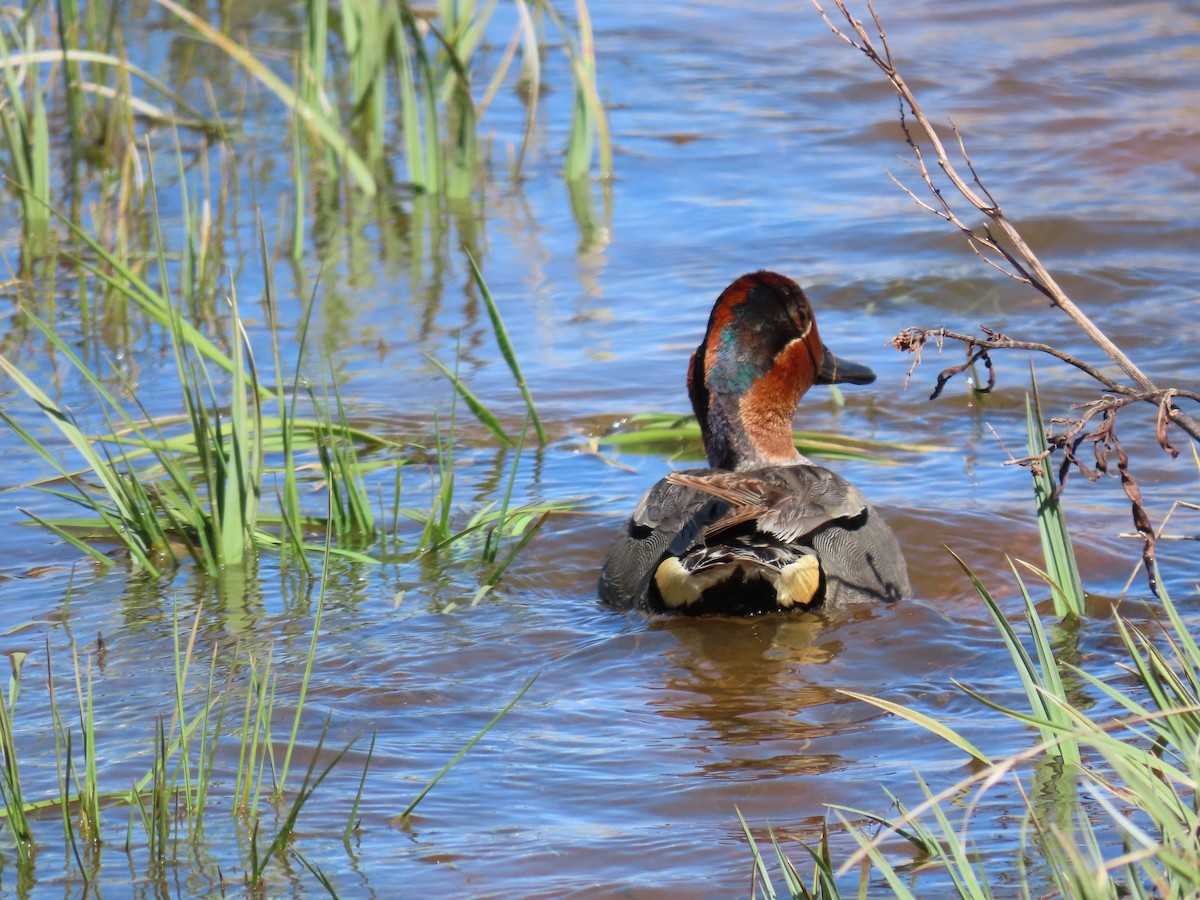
747	137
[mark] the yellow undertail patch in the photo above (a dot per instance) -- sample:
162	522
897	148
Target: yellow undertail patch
798	582
675	583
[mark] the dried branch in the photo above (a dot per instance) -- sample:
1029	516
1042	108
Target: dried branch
998	242
911	339
1022	263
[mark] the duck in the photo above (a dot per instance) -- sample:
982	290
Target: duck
762	529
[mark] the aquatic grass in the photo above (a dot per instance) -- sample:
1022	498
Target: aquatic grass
589	123
201	257
168	796
166	807
12	793
506	348
70	32
352	820
418	106
327	128
434	58
824	879
438	531
349	509
200	494
1040	680
408	810
124	510
156	817
929	723
89	791
313	55
121	280
258	862
761	872
155	517
437	522
495	520
365	29
940	844
1125	771
309	663
99	111
286	425
317	872
255	739
589	135
230	456
679	435
1061	567
462	27
530	80
26	136
474	404
492	543
209	727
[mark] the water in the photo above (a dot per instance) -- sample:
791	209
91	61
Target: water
747	136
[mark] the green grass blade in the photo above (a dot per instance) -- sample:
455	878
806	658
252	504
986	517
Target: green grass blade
471	743
66	425
1026	669
328	131
1052	523
352	819
482	413
81	546
763	875
1051	680
506	348
945	732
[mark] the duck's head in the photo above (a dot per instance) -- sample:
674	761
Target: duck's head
759	355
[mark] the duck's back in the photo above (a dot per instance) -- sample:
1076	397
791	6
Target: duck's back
713	541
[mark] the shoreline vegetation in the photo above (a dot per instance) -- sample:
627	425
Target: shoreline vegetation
228	476
231	471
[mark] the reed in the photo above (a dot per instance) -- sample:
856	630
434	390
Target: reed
1108	788
1062	571
26	133
11	790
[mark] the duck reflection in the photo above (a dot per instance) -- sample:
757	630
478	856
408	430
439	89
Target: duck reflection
762	687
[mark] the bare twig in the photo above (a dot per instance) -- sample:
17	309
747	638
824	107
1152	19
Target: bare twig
909	339
998	242
1005	241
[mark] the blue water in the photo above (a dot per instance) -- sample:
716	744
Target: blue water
747	136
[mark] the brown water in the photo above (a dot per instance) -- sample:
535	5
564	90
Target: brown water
747	137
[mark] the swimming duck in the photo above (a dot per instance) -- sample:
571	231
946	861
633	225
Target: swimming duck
761	529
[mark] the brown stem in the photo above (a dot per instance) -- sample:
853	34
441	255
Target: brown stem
1024	263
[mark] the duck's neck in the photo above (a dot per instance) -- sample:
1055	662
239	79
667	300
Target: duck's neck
746	438
745	411
747	430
